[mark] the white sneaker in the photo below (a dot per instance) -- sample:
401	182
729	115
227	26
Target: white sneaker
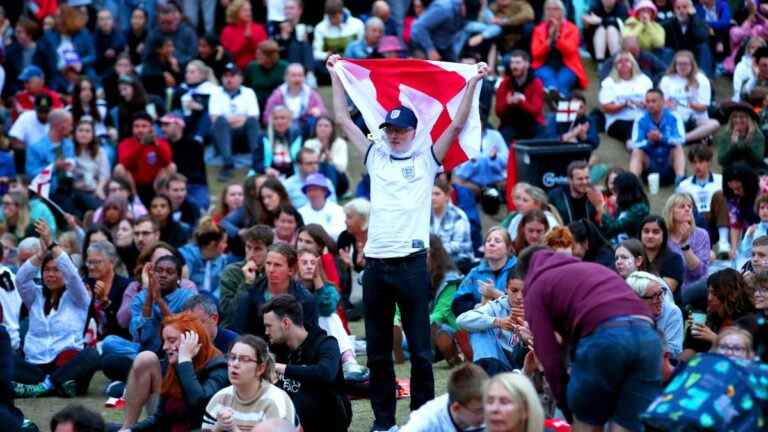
723	250
354	372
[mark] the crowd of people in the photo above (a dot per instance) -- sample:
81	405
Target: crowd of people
231	312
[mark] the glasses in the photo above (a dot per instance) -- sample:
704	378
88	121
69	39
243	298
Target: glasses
654	297
8	203
733	349
234	358
761	290
94	263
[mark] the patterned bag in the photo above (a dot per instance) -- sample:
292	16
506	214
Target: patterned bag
713	392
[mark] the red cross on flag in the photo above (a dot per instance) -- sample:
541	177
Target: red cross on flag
433	90
41	184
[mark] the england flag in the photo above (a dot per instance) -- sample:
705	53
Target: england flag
433	90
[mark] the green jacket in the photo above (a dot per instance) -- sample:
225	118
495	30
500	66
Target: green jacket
231	285
441	307
750	152
626	222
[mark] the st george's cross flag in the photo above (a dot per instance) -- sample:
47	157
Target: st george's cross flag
432	89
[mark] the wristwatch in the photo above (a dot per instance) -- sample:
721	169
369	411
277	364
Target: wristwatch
685	248
52	245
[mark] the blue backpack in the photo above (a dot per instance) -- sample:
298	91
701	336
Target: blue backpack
712	392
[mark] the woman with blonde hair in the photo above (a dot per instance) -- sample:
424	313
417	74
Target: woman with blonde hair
688	94
622	96
734	342
241	35
741	140
686	239
511	404
527	197
16	215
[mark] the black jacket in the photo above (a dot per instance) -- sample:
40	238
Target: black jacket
697	33
248	318
570	210
197	388
315	382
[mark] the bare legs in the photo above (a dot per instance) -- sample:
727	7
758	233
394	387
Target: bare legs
704	129
143	382
607	42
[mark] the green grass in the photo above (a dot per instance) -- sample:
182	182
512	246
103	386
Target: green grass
610	152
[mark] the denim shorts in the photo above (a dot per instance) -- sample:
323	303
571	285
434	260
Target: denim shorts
615	373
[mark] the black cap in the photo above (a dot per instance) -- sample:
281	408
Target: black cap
142	115
43	102
231	68
401	117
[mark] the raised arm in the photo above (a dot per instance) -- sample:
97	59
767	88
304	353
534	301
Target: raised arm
440	148
353	133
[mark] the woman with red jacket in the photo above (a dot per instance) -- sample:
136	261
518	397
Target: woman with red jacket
241	35
555	51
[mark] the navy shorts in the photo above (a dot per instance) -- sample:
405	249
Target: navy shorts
616	373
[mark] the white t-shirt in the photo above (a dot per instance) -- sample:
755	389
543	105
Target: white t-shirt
276	10
28	129
331	217
401	197
676	88
702	193
612	91
10	302
243	103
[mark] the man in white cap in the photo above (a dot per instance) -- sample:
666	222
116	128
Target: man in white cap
402	173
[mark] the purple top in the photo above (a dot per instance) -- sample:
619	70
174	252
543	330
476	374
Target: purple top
572	298
699	242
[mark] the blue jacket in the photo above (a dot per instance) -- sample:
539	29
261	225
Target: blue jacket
468	294
146	331
437	27
484	170
82	41
672	131
196	265
41	154
723	13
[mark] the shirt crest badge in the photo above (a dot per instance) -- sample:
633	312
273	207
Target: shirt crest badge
395	114
408	172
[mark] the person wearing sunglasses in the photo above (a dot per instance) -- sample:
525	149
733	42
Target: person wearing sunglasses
252	398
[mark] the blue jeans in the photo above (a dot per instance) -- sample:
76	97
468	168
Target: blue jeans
619	365
199	196
115	345
563	79
405	282
485	345
224	135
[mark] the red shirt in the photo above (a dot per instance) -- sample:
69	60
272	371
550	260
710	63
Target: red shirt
144	161
26	100
243	49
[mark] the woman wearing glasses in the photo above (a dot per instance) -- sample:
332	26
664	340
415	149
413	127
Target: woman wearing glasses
669	319
735	343
251	399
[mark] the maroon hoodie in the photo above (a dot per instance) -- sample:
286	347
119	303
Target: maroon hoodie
571	297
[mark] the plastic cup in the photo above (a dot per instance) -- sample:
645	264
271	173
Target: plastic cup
653	183
699	318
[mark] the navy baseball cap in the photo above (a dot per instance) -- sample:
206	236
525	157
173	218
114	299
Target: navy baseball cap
400	117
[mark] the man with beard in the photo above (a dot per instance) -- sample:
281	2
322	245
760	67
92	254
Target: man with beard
142	157
520	100
571	200
308	364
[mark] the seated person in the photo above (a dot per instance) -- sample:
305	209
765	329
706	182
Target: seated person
519	100
239	276
307	160
194	371
602	25
555	51
183	210
205	258
108	287
451	225
489	278
643	25
741	140
657	141
308	363
280	268
572	200
311	275
294	36
622	96
334	33
143	156
193	196
265	73
464	403
688	93
755	231
717	15
589	244
193	96
667	315
516	19
649	63
203	306
687	32
702	185
494	330
489	168
367	47
526	198
319	209
304	102
278	147
234	112
54	360
10	416
573	126
175	233
251	399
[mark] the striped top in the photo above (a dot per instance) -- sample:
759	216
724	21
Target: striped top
270	402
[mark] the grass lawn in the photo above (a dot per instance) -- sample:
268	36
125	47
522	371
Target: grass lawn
611	152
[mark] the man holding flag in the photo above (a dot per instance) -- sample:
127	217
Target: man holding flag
402	165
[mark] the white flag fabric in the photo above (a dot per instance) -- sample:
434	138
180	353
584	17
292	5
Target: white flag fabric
433	90
41	184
